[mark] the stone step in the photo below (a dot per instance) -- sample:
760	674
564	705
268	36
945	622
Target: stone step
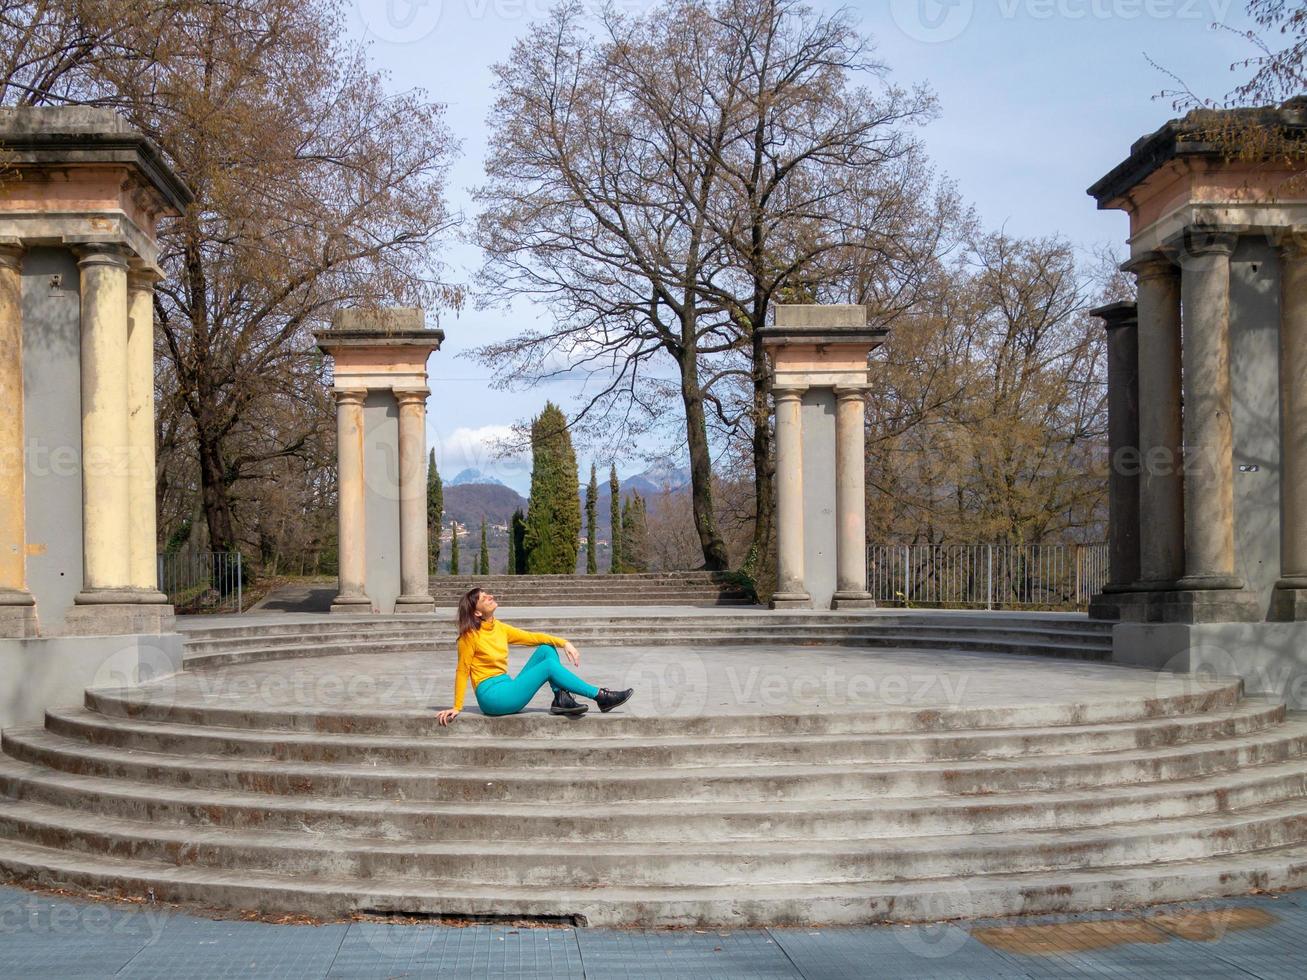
706	630
656	820
1072	651
455	751
1179	696
638	866
774	781
714	905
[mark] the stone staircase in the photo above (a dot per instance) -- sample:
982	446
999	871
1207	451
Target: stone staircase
1052	636
644	589
1181	789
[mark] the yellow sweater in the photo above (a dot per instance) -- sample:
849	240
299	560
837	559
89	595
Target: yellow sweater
485	653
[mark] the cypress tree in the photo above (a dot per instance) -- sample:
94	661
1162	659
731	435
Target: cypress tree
517	543
483	567
553	515
453	547
635	535
591	533
435	510
615	513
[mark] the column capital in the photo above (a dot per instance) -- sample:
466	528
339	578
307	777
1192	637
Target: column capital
1117	315
350	396
1293	244
1198	240
409	396
142	279
788	392
1151	265
102	253
11	254
846	393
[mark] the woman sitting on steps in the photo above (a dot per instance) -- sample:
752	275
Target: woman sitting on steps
483	656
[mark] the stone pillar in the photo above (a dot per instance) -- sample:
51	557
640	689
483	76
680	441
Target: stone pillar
1291	590
142	529
414	553
350	545
1208	428
1161	482
1121	322
851	500
17	609
106	548
791	592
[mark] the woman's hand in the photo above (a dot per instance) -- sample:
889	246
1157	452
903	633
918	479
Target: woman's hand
572	654
445	717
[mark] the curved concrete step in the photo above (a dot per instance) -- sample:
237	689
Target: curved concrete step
655	820
575	749
774	781
700	905
1181	698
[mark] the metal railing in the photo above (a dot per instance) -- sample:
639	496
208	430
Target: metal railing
987	576
206	581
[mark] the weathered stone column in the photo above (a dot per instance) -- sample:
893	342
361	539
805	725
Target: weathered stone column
142	522
1121	322
1208	428
106	547
414	553
790	588
351	553
17	610
851	500
1291	590
1161	482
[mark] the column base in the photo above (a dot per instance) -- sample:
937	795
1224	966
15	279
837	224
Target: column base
791	600
1289	604
120	597
852	600
118	618
351	604
415	604
17	614
1176	604
1111	603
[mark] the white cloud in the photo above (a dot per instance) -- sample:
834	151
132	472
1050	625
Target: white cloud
477	448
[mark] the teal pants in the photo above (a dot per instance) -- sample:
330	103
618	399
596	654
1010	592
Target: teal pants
504	695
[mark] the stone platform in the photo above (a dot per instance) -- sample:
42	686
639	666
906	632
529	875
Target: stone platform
748	783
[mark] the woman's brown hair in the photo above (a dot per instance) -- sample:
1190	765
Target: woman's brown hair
469	620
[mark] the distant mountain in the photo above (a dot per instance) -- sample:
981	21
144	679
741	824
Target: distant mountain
656	479
467	503
474	476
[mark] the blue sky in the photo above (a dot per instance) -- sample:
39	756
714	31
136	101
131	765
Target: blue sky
1038	99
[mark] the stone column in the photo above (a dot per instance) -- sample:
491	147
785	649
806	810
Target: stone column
106	542
351	554
1121	322
17	612
414	552
1291	590
140	436
851	501
1208	429
790	588
1161	482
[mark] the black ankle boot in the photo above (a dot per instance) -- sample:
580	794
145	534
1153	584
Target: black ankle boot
565	704
608	700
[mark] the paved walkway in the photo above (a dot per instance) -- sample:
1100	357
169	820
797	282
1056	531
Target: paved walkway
1263	937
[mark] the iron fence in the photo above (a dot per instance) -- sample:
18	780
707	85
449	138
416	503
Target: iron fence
205	581
987	576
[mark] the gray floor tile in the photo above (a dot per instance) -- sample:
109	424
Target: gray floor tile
203	949
54	937
701	955
380	950
944	951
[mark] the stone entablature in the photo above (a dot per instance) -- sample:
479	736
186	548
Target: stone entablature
379	376
819	379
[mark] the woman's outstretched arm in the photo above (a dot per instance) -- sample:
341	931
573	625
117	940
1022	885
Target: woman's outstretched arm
522	637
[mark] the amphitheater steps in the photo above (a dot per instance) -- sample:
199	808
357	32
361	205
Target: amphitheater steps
651	588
